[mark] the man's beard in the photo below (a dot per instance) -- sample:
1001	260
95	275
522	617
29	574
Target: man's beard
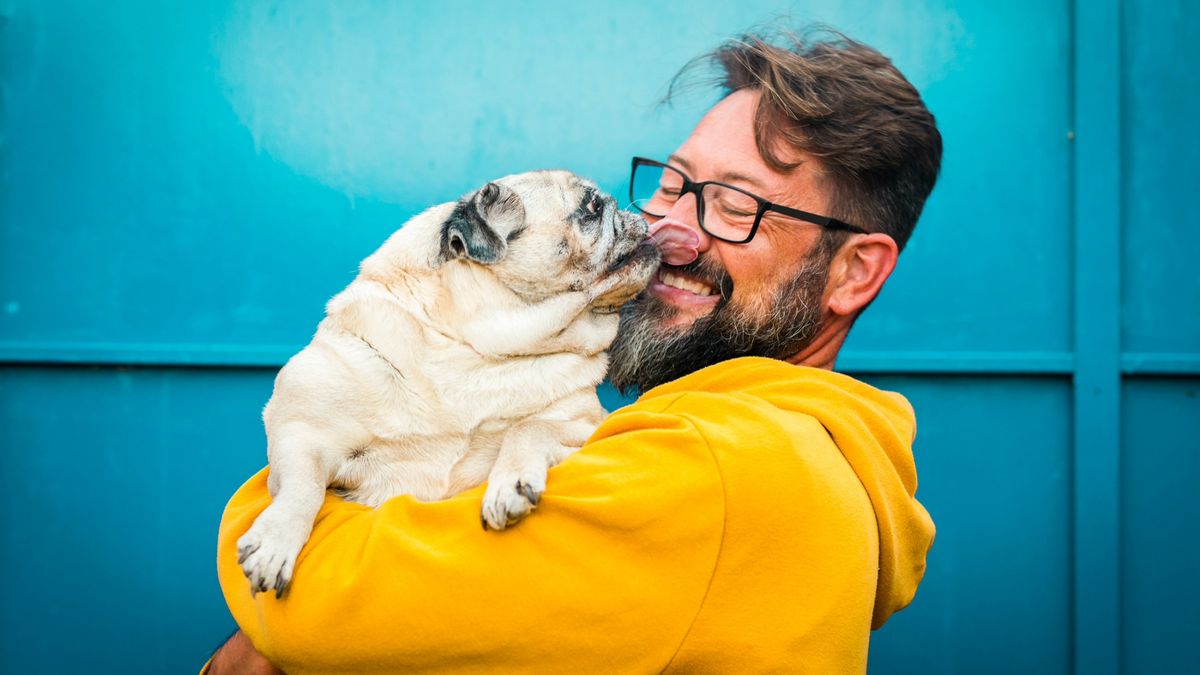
644	355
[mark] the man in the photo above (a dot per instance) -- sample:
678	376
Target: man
746	514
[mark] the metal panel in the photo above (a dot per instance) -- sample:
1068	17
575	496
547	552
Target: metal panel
999	573
214	172
1159	246
1160	589
1160	333
988	268
110	495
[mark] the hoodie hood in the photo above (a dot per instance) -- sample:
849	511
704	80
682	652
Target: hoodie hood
873	429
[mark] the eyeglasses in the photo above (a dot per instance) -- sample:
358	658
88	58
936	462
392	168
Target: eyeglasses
723	211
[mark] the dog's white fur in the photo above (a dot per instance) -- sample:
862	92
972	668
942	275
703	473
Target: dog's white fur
467	349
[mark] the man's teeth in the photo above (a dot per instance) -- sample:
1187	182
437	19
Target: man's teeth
685	284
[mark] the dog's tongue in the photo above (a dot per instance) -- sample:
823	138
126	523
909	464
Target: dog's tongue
676	242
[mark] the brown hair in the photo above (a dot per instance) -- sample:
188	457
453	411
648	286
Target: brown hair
846	104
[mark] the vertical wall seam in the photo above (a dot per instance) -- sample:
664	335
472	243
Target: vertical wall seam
1072	168
1097	386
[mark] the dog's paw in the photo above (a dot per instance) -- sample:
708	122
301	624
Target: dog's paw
267	553
508	500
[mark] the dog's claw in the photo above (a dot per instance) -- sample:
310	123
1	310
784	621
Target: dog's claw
483	521
510	499
532	495
246	552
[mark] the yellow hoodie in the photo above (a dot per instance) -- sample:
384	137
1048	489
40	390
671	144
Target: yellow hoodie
754	516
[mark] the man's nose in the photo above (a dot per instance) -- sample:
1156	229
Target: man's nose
684	211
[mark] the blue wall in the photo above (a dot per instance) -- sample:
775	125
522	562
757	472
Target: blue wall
183	185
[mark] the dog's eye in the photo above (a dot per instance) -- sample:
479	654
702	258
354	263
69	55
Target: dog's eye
595	205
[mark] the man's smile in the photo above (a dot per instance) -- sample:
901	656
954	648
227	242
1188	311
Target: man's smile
679	288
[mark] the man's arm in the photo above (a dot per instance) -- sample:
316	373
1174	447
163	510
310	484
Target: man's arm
607	574
238	657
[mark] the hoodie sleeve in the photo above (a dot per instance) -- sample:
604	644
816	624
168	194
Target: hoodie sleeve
606	576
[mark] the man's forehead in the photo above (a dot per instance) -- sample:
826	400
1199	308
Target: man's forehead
722	147
799	188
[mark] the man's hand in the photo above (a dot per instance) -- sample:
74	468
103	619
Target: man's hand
238	657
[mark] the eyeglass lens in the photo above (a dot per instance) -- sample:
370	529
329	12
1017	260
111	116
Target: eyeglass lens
726	213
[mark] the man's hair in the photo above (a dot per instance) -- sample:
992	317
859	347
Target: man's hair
846	104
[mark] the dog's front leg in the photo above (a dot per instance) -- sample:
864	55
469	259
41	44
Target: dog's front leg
503	332
297	480
529	448
590	333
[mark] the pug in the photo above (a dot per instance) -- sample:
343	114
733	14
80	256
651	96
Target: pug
467	349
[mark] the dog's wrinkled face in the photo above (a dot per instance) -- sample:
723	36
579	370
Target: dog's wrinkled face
548	232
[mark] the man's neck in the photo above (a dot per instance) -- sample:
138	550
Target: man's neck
822	352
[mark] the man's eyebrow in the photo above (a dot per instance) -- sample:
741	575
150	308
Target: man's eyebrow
731	177
676	159
740	179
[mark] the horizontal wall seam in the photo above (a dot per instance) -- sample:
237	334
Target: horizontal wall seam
274	356
1146	363
865	361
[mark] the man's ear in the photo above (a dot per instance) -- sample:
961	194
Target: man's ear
474	228
858	271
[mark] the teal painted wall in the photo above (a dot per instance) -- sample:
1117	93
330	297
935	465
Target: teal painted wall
183	186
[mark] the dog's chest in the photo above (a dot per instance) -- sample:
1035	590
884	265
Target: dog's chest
452	443
482	391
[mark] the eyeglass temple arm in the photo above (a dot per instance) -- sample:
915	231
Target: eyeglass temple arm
823	221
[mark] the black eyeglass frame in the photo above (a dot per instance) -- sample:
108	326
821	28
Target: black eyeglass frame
690	186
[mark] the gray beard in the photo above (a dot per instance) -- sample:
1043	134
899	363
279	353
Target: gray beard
644	355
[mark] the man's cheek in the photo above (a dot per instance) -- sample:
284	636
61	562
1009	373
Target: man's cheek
752	301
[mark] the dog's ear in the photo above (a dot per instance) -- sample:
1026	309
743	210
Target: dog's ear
480	224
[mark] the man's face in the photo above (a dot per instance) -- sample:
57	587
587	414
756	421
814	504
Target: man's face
762	298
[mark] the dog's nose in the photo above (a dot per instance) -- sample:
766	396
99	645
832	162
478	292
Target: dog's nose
632	225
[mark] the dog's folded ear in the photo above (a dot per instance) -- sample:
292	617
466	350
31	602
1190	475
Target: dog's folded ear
481	224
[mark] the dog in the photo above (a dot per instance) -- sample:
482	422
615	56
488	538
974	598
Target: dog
468	348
